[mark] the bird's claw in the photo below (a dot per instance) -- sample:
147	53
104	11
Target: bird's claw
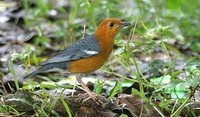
94	98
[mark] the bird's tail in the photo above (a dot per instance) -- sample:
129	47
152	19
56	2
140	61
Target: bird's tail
33	74
45	68
40	70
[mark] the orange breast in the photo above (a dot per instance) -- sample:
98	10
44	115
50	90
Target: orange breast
87	65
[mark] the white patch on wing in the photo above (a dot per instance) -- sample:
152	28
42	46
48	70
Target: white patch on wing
90	52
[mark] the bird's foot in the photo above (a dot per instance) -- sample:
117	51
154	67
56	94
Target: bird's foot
94	98
88	91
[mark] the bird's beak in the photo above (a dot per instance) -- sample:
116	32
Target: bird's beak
123	24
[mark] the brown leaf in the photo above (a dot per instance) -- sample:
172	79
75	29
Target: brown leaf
135	105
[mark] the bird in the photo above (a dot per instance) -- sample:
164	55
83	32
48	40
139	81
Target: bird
86	55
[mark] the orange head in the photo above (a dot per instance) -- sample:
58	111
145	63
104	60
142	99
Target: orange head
110	27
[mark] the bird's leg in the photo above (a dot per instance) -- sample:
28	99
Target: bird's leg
85	88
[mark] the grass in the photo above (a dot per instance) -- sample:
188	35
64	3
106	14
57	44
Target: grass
66	107
168	25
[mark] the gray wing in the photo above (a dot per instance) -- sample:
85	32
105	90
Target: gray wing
86	47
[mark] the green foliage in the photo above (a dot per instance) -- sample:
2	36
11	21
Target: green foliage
66	107
123	115
99	88
12	69
193	75
115	90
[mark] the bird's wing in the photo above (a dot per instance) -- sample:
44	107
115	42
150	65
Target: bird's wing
86	47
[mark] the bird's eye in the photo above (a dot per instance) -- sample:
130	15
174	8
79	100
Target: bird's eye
111	24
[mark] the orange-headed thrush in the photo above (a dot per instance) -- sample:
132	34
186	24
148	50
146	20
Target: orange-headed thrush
88	54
